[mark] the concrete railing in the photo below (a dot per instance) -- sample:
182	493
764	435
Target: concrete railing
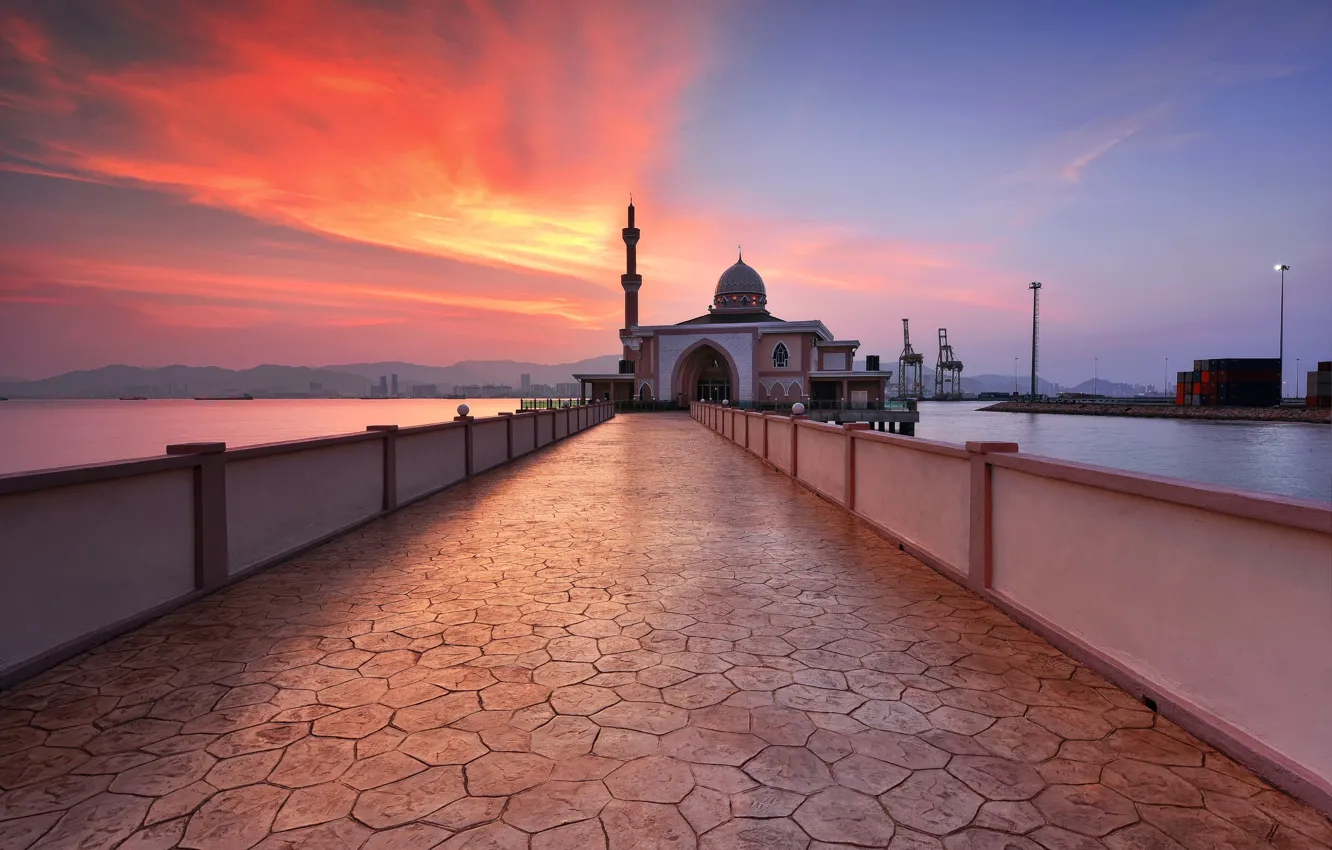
1213	605
90	551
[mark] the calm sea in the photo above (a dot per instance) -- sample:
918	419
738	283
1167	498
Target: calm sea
1287	458
1290	458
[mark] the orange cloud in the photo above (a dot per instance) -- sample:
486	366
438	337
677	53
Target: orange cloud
227	290
503	138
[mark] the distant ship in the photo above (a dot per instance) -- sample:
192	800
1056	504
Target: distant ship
241	397
134	398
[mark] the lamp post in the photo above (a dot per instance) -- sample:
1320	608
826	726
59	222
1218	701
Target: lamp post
1297	377
1096	380
1281	338
1165	384
1035	287
1015	384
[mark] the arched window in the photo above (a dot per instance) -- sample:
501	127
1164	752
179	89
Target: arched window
781	358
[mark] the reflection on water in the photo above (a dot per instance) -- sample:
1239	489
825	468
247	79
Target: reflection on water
1290	458
45	434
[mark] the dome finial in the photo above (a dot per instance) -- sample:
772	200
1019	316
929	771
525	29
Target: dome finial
741	249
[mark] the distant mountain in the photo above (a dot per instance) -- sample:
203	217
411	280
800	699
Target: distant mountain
351	380
355	379
480	371
1004	384
992	383
187	381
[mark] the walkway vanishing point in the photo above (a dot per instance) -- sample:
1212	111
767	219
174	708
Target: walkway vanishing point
640	638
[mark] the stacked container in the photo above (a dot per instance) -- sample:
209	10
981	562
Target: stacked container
1319	386
1243	382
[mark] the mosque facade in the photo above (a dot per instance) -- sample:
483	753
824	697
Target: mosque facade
737	351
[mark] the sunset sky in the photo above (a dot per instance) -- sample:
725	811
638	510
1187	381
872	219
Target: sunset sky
314	182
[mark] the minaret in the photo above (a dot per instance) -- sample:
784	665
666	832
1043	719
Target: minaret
631	280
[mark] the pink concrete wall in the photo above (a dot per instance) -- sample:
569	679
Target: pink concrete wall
921	498
81	558
779	442
1232	614
524	434
545	427
822	458
490	441
562	419
429	460
279	502
755	423
87	552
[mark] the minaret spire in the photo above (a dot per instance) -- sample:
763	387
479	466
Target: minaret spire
631	280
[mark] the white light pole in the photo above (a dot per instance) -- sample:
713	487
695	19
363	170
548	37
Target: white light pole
1281	338
1096	381
1165	384
1015	385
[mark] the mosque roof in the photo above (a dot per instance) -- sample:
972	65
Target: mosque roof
729	318
741	278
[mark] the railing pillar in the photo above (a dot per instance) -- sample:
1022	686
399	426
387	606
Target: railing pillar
211	566
850	498
980	552
390	433
467	443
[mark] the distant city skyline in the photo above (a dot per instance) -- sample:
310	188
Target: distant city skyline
431	183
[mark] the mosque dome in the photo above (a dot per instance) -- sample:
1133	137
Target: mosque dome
740	288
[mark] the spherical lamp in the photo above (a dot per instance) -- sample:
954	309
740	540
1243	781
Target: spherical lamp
463	410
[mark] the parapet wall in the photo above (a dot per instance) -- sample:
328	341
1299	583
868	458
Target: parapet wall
91	551
1213	604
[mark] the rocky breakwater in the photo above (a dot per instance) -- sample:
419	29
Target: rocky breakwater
1170	411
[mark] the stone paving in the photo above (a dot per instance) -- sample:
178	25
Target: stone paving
640	638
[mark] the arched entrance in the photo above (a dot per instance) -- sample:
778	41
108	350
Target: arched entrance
706	374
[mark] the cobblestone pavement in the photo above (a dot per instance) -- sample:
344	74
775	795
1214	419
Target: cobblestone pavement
640	638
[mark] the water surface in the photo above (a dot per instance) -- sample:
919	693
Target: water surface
45	434
1288	458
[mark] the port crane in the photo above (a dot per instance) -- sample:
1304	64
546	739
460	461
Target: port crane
910	367
948	370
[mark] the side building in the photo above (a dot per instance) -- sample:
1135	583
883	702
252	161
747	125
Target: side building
736	352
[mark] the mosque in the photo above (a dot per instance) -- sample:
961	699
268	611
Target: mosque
736	352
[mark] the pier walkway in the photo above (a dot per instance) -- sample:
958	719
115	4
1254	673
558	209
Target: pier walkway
640	638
